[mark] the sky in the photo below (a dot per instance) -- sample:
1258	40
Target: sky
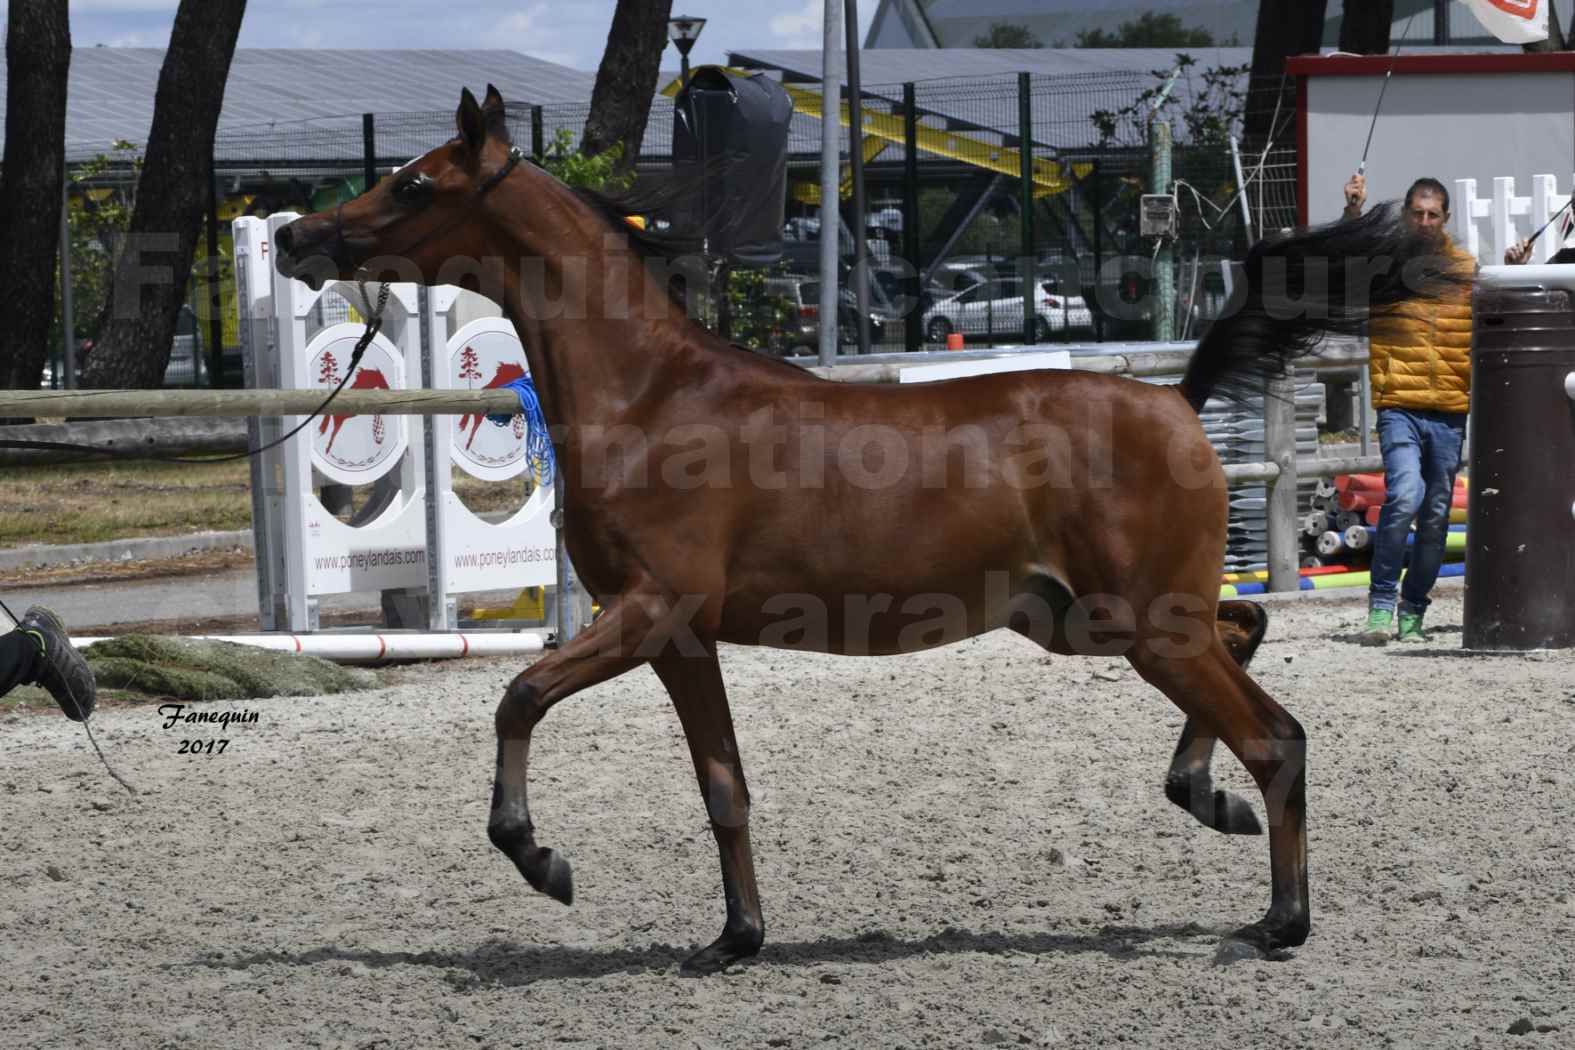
569	32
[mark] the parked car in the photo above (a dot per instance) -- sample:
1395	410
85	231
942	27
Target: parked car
187	366
995	307
804	295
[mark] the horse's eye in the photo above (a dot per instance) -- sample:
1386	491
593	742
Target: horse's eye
413	191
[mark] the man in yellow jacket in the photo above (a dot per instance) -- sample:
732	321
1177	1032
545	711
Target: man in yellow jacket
1420	366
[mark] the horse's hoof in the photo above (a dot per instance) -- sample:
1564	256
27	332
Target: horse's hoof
1232	951
722	953
1261	941
1227	813
547	872
1233	815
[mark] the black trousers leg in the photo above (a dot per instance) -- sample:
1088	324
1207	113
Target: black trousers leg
19	658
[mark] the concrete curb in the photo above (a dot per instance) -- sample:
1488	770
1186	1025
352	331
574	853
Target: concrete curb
130	549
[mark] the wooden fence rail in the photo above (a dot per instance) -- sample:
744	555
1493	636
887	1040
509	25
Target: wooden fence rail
216	403
1281	473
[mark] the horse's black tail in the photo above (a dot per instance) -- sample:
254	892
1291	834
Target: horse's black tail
1321	280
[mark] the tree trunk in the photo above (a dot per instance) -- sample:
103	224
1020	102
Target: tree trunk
1364	26
172	197
1285	28
1555	40
626	79
38	56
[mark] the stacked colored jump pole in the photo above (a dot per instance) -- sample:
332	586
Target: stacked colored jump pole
1341	530
1329	581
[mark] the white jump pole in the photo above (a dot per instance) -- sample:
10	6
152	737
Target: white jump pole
377	648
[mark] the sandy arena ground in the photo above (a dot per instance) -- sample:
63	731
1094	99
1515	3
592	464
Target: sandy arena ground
967	847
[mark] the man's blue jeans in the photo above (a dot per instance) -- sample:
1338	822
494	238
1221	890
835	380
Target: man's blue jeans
1421	455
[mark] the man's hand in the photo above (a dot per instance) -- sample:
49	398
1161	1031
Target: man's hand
1517	253
1355	195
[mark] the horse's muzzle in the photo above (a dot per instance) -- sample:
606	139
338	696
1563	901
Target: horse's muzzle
288	258
307	255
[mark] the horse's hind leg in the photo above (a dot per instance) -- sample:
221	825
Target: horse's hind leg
1211	687
695	684
1240	626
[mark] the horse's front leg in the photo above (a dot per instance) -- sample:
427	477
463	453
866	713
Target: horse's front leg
1241	626
695	684
622	638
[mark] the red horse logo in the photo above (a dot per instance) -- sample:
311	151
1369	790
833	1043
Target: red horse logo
365	379
507	373
1526	9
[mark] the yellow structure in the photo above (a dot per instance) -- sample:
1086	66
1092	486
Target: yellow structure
1049	176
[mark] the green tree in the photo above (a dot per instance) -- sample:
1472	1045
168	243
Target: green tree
1008	35
1285	28
626	79
1150	30
1207	112
154	271
573	166
1365	25
101	206
759	319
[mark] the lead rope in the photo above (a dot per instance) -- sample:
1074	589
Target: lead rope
85	718
374	324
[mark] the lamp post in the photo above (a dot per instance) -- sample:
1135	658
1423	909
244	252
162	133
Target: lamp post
683	31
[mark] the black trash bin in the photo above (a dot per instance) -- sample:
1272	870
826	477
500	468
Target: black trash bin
730	135
1520	550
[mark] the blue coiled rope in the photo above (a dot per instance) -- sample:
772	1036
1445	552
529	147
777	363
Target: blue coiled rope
538	443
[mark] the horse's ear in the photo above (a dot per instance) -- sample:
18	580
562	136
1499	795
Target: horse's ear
472	125
497	121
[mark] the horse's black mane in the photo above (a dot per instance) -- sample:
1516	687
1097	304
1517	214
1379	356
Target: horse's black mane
664	201
669	240
1317	281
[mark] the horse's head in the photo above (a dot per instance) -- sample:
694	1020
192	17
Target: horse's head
410	223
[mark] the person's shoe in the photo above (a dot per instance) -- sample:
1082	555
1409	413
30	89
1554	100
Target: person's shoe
1379	623
1411	628
62	671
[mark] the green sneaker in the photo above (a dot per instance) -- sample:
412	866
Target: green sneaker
1379	623
1411	628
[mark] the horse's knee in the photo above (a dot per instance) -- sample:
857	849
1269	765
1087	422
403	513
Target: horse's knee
520	709
1241	626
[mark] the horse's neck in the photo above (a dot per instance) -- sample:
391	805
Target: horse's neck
598	330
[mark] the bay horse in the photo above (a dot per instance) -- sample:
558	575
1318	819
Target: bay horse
714	495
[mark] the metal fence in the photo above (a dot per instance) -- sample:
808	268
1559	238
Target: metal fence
945	192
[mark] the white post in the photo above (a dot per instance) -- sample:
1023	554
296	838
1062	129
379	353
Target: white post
1279	442
437	459
254	276
1503	216
1241	189
830	176
1468	208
